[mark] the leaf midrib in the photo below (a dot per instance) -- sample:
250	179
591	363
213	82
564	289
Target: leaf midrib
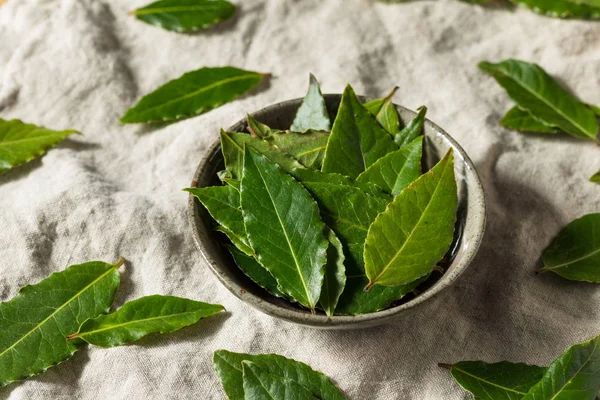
47	136
576	373
573	261
196	92
59	309
488	382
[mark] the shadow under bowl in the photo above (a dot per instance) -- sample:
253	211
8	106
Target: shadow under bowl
470	226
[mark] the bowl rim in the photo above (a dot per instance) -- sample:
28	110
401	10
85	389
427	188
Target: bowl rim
340	321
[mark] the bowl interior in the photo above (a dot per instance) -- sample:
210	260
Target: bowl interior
468	234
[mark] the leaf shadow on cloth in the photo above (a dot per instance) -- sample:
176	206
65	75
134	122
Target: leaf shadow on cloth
21	171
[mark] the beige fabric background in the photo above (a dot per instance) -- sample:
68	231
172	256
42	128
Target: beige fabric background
116	191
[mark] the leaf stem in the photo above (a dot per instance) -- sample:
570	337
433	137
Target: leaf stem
73	336
369	286
541	271
445	366
119	263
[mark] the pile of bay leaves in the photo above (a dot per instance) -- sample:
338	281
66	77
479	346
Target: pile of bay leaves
334	217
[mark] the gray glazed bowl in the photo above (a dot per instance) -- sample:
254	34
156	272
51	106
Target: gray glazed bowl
469	228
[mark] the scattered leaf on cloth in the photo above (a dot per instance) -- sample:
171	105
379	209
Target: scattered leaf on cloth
535	91
185	15
193	93
21	142
260	385
562	8
595	178
521	120
575	253
35	322
141	317
414	232
229	369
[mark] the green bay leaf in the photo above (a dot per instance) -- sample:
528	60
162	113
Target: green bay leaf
521	120
260	385
561	8
34	324
21	142
185	15
284	228
258	129
312	113
192	94
595	109
241	243
228	366
406	241
412	129
502	380
575	252
374	106
535	91
308	147
334	280
386	115
140	317
255	271
595	178
575	375
396	170
356	140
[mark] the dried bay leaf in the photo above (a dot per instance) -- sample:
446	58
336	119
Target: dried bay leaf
406	241
229	369
21	142
575	252
312	113
260	385
35	322
502	380
185	15
535	91
575	375
396	170
521	120
192	94
140	317
356	140
284	228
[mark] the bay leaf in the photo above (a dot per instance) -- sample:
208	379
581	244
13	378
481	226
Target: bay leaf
192	94
349	211
258	129
334	279
259	385
575	252
185	15
21	142
575	375
502	380
255	271
561	8
412	130
312	113
595	178
374	106
35	322
233	143
284	228
521	120
308	147
140	317
385	113
241	243
228	366
356	140
396	170
595	109
223	204
406	241
535	91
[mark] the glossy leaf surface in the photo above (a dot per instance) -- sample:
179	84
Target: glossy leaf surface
140	317
413	129
521	120
34	324
193	93
535	91
260	385
334	279
255	271
21	142
185	15
406	241
284	228
356	140
575	252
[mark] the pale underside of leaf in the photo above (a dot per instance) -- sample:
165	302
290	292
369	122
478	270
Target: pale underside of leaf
185	15
406	241
21	142
193	93
34	324
284	228
312	113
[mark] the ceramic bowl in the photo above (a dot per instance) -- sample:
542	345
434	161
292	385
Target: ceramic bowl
469	228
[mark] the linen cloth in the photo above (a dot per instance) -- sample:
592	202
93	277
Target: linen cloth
116	190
